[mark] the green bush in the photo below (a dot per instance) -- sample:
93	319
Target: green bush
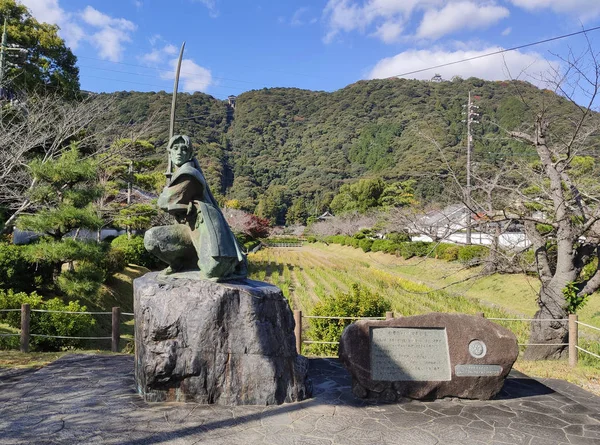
358	302
135	252
397	237
365	244
418	248
18	272
114	260
47	323
446	251
472	255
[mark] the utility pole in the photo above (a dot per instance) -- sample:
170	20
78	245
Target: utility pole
4	48
471	114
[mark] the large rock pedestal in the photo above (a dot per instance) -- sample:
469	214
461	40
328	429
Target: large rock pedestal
224	343
428	356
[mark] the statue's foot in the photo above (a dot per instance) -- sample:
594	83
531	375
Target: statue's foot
172	269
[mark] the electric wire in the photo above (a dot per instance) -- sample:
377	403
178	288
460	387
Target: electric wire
493	53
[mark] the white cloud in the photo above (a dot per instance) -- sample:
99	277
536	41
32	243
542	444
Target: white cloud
457	16
109	38
389	32
513	64
297	17
507	31
350	15
582	9
138	4
113	33
211	5
159	54
193	77
49	11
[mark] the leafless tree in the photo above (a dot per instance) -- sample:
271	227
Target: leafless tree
44	126
347	224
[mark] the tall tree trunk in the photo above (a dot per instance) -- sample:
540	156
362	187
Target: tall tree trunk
551	302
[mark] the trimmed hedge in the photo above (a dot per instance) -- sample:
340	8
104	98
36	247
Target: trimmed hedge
469	255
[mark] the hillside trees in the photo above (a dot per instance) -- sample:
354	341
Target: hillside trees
368	194
48	65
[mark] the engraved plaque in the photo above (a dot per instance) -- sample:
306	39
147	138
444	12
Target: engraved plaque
477	370
409	354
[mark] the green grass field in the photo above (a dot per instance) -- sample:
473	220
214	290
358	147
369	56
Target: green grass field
415	286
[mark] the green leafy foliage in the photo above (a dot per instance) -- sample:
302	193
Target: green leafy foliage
573	300
49	65
286	144
47	323
18	272
136	216
358	302
469	255
62	199
134	252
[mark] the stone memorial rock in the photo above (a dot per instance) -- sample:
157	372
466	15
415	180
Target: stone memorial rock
224	343
428	356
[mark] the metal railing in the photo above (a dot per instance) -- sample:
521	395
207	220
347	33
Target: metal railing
26	334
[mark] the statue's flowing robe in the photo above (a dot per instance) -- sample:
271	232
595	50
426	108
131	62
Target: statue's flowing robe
189	199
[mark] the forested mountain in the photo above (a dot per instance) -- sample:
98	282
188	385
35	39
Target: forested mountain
281	145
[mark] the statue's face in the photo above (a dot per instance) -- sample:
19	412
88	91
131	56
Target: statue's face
180	153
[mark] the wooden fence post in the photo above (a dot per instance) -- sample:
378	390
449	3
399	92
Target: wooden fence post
298	330
116	334
573	340
25	322
389	315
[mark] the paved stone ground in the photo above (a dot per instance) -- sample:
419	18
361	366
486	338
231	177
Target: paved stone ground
83	399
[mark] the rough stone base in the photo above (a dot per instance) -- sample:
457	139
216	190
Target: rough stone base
222	343
464	332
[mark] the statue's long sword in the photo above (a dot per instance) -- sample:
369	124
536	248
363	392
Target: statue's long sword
169	171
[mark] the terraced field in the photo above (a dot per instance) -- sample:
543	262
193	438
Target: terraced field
311	273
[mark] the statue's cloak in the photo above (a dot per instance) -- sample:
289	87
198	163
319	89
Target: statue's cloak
188	196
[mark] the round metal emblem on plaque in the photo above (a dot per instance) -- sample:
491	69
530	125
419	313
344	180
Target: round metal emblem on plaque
477	349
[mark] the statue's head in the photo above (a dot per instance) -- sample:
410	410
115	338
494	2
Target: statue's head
180	149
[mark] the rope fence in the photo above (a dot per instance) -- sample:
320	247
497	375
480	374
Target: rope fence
25	334
572	325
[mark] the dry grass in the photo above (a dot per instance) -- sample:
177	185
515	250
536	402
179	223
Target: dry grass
586	377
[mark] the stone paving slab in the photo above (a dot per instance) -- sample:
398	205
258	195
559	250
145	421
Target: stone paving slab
87	399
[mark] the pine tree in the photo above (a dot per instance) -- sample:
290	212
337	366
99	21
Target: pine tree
62	204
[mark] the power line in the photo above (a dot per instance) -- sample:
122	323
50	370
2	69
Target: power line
162	87
157	77
514	48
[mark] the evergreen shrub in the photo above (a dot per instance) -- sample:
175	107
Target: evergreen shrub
472	255
46	323
135	252
358	302
365	244
18	272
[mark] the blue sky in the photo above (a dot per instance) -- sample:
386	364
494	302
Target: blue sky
234	46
